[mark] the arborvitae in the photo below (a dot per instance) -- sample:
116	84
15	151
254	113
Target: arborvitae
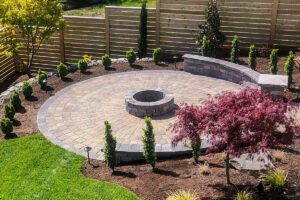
143	31
252	57
109	147
273	61
211	29
235	50
204	47
289	67
149	143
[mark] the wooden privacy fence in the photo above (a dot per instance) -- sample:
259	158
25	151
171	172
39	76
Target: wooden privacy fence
173	26
7	67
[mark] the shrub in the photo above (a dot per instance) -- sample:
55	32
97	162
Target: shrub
204	47
27	89
275	178
211	29
289	67
41	76
182	195
149	143
87	58
131	56
235	50
6	126
9	111
62	70
204	169
157	55
243	195
106	61
82	65
142	44
15	101
109	147
273	61
252	57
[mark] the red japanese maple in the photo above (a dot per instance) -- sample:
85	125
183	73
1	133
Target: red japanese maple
248	121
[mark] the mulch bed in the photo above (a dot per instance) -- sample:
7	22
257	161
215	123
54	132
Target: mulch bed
180	173
183	174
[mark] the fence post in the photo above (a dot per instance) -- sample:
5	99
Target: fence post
273	21
157	35
62	46
107	31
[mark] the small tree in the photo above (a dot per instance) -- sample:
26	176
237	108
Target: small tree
235	50
289	67
143	31
204	47
109	147
252	57
187	128
37	21
149	143
247	121
273	61
211	28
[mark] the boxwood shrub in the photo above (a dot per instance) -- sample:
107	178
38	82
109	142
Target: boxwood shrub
106	61
9	111
82	65
41	76
62	70
15	101
6	126
157	55
131	56
27	89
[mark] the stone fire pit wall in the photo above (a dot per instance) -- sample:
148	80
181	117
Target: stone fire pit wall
275	84
149	102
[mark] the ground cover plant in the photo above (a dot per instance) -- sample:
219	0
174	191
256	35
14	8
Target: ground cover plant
45	171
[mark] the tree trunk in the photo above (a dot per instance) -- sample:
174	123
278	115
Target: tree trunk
29	65
227	169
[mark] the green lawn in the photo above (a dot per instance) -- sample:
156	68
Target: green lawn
33	168
98	9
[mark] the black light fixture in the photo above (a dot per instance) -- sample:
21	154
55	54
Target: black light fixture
87	149
44	82
175	60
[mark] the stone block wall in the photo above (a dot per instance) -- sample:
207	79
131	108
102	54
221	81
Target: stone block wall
275	84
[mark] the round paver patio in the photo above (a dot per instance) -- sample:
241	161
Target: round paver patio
74	117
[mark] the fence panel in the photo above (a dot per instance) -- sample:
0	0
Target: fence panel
7	67
124	29
84	35
288	23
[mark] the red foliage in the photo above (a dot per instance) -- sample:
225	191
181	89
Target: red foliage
247	121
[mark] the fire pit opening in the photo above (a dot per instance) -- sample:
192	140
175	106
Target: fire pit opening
149	96
151	103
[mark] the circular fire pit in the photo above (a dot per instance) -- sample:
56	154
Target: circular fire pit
150	103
